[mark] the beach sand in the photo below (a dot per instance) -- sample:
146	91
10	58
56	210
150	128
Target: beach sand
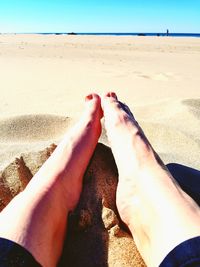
43	81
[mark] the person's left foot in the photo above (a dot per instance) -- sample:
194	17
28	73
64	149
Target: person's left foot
39	213
81	143
70	159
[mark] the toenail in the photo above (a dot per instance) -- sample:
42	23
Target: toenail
89	97
108	94
113	95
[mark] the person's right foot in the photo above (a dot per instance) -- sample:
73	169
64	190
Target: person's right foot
159	214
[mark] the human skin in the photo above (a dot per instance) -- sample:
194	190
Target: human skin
159	214
38	216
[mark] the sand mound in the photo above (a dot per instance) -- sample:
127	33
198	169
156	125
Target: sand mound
17	174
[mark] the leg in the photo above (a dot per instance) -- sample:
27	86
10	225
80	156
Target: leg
37	217
158	213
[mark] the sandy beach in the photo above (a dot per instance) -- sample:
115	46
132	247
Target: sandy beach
43	81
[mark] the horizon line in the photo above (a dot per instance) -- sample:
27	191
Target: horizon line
137	32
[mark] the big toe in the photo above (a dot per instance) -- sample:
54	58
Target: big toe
108	98
114	109
93	105
110	103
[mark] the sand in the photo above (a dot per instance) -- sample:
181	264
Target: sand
43	81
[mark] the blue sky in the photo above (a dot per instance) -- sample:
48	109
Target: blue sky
99	16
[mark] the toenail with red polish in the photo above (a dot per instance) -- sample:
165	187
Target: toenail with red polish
109	94
113	95
89	97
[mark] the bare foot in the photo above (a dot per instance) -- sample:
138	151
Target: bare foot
158	213
36	218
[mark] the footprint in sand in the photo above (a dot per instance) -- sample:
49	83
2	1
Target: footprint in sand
145	76
161	76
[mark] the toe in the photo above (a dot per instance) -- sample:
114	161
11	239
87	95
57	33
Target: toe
111	104
93	104
93	100
109	100
111	95
92	96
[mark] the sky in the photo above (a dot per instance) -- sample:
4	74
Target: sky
33	16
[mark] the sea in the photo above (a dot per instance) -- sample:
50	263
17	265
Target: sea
131	34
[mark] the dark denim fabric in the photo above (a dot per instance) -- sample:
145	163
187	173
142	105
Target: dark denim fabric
13	255
187	254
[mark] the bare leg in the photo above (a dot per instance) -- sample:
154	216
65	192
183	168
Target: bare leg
159	214
36	218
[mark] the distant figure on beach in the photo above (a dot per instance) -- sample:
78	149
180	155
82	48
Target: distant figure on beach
163	219
167	32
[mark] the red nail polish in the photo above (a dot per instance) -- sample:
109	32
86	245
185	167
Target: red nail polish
89	97
113	94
